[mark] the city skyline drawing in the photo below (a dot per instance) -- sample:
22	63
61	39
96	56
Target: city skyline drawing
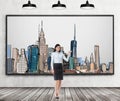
41	33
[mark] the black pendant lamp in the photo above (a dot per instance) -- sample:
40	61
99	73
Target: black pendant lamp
59	5
87	5
29	5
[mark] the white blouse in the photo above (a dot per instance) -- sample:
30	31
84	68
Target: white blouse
57	57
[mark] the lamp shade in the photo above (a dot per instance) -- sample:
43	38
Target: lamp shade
87	5
59	5
29	5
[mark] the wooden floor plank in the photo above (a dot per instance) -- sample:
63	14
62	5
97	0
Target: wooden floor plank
102	95
43	95
24	94
37	95
7	93
53	96
5	90
112	91
74	95
12	95
35	90
2	91
93	94
89	98
80	95
18	94
1	88
114	96
98	94
115	90
67	95
49	95
62	94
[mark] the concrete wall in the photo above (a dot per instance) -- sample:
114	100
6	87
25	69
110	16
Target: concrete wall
73	7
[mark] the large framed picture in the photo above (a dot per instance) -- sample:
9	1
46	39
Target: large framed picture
30	41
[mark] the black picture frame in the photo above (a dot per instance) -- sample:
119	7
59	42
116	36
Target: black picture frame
6	42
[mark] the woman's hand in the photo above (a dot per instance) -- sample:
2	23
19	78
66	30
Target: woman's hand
69	52
52	71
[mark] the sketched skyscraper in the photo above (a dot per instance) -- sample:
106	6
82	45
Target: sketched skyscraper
15	56
22	62
92	67
10	61
74	44
9	51
33	58
97	56
43	49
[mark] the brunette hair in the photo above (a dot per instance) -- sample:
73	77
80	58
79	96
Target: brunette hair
56	46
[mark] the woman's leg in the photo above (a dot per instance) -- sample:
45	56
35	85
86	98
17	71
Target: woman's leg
56	87
59	86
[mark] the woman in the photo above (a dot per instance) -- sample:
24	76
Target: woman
56	65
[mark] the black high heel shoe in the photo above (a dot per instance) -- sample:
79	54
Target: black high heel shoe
57	97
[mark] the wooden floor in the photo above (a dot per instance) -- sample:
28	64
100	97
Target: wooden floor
67	94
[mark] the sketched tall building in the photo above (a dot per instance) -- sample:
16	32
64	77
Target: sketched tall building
33	58
15	56
43	49
73	48
74	44
22	62
50	50
97	56
92	67
10	65
10	61
9	51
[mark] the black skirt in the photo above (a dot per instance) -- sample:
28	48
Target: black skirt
58	71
